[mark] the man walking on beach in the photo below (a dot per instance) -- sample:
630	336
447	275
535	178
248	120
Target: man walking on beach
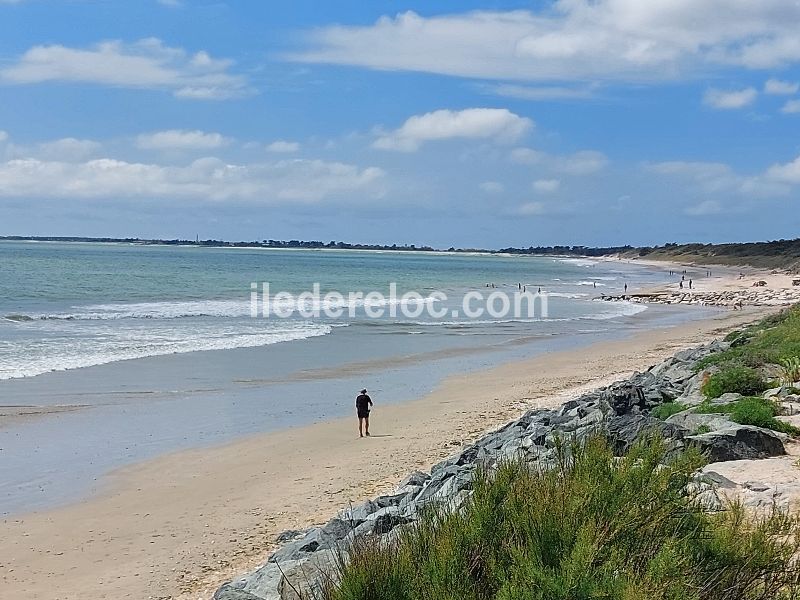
363	404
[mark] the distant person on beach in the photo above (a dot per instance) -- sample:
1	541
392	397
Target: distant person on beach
626	288
680	283
690	284
363	404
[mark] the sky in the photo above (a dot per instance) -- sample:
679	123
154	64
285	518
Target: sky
450	123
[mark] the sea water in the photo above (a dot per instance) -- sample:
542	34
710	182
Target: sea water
158	347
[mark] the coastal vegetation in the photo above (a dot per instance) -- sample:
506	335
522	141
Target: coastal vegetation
592	526
768	342
778	254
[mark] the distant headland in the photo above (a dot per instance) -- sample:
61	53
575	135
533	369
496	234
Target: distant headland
783	254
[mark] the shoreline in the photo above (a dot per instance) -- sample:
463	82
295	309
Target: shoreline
182	523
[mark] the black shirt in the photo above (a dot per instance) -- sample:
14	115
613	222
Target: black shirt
363	401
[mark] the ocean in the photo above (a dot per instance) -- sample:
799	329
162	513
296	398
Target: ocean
156	348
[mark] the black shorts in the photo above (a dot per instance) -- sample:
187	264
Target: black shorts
363	413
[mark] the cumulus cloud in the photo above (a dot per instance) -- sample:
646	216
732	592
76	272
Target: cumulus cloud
282	146
146	64
730	100
179	139
497	124
719	178
781	88
546	186
572	40
791	107
492	187
788	173
206	179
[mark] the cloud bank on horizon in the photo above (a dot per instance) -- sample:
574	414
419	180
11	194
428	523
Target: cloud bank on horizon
591	122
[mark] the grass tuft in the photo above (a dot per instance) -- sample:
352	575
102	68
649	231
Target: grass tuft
594	526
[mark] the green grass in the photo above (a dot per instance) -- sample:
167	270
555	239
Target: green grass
774	339
701	429
756	411
666	410
737	379
592	527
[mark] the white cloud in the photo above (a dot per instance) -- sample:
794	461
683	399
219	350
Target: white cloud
171	3
788	173
179	139
572	40
706	207
282	146
497	124
532	209
546	185
492	187
524	92
3	136
733	99
781	88
146	64
719	178
791	107
527	156
68	149
206	179
585	162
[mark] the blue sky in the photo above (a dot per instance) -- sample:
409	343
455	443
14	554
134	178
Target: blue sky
464	123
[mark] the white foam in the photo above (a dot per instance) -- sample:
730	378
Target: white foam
619	309
28	360
209	308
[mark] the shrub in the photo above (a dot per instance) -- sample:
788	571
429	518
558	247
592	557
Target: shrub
743	380
701	429
666	410
755	411
591	527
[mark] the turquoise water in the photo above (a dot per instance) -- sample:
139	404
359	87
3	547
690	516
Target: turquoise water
157	348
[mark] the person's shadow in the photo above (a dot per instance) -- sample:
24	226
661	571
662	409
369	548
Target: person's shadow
380	435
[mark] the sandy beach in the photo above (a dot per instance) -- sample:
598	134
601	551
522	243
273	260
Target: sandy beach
177	526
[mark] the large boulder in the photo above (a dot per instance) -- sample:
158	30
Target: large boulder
261	584
624	430
739	442
688	419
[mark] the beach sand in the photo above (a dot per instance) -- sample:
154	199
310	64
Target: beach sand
179	525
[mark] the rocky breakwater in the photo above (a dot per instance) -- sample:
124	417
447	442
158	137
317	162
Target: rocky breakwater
621	411
730	298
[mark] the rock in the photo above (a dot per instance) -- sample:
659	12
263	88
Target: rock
417	478
387	519
306	579
710	500
228	593
624	430
739	442
355	515
717	480
755	486
779	392
396	498
289	535
691	421
726	398
261	584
